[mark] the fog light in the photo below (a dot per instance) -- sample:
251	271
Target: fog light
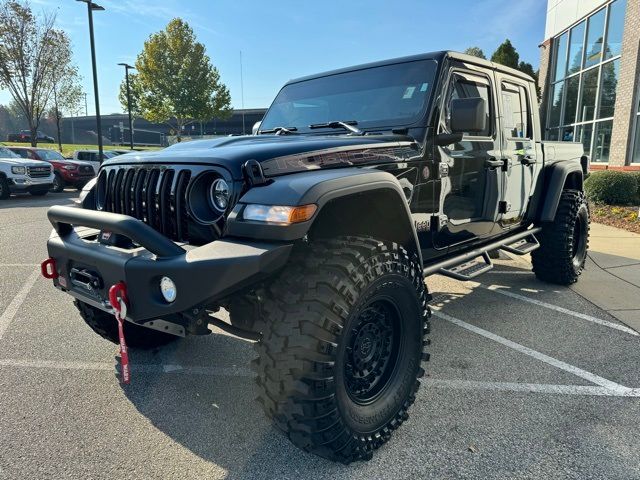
168	289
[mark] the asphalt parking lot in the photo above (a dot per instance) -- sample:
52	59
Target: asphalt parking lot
526	380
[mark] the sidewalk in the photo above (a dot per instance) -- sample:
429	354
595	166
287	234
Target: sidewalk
611	279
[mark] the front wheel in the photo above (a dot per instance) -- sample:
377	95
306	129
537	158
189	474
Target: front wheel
4	188
564	242
58	184
342	341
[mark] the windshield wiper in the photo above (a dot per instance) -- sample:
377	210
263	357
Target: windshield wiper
348	125
280	130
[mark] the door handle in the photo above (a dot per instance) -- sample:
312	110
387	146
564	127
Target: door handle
528	160
493	163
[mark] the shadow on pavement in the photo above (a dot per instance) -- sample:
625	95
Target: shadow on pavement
26	200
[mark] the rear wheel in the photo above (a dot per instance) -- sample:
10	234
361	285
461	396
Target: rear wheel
105	325
564	242
342	344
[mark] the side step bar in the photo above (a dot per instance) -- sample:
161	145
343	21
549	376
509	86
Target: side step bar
444	266
523	246
468	270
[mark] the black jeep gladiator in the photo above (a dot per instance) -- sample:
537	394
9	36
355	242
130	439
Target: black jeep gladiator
316	234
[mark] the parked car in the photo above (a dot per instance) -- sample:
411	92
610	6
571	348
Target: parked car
25	137
316	233
93	157
67	172
20	175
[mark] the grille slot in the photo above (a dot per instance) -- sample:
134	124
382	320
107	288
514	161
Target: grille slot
155	195
38	172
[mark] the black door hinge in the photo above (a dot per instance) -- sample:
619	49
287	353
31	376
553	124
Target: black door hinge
503	207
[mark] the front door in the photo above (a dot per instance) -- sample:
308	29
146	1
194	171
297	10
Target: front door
469	170
518	150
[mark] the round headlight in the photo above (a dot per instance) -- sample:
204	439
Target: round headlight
168	289
219	194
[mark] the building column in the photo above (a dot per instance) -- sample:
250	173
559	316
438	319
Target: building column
544	75
627	89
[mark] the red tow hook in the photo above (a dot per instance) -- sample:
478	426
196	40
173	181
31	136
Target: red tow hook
118	300
48	269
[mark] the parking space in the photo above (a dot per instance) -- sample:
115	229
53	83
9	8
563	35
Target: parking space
526	380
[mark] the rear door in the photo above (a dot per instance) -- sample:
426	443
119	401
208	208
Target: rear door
518	149
469	178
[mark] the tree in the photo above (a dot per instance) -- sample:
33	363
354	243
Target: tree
29	56
65	84
506	54
176	82
476	52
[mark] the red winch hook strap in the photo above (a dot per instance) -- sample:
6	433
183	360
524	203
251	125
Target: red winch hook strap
118	300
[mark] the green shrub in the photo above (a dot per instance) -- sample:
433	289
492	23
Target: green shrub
612	187
637	177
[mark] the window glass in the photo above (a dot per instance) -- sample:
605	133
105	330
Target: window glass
552	134
46	154
602	143
589	87
610	74
635	157
469	89
615	26
6	153
82	156
583	135
595	32
515	119
567	134
560	56
576	46
571	99
556	104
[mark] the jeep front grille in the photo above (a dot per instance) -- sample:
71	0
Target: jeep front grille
155	195
39	172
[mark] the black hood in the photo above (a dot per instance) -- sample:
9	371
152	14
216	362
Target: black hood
279	154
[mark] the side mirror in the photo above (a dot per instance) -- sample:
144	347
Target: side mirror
468	115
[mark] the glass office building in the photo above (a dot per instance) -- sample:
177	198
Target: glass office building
589	70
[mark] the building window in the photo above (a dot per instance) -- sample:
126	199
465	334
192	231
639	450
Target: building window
635	158
586	66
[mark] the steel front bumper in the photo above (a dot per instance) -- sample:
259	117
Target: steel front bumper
87	268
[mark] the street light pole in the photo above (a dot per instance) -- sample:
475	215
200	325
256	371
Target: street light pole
91	6
126	74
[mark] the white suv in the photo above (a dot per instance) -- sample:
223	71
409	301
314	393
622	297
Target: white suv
20	175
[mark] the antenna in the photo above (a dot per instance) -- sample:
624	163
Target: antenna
242	93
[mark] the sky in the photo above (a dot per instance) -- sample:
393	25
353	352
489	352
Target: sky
287	39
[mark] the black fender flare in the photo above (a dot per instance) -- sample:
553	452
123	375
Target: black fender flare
319	187
557	176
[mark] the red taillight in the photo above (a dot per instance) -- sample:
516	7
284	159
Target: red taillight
48	269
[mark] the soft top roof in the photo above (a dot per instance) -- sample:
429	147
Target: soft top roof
438	56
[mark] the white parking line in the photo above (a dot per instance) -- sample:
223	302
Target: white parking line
566	311
16	303
533	388
229	371
603	382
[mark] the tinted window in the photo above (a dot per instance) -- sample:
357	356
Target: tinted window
561	56
82	156
602	141
587	108
6	153
583	135
22	153
595	33
463	88
610	74
374	97
46	154
571	99
556	104
515	112
575	48
636	149
615	26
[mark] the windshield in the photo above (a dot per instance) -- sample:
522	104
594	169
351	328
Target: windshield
46	154
6	153
377	97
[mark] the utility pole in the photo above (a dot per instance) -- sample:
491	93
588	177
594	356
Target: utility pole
91	6
127	67
242	92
